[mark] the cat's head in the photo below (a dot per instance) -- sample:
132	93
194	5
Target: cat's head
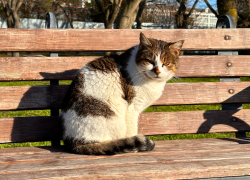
158	59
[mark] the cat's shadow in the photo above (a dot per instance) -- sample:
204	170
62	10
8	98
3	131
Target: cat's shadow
227	117
40	129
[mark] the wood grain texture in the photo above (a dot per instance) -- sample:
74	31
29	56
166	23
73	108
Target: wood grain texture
185	122
47	97
204	93
41	68
31	97
179	159
213	66
63	68
27	129
107	40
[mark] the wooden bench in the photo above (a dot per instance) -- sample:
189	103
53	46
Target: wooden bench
173	159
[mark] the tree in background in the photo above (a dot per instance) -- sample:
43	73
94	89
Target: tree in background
37	8
11	8
128	14
225	7
85	13
70	9
122	13
109	10
243	10
183	18
228	7
139	18
161	12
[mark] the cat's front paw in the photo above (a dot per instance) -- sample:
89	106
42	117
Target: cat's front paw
146	143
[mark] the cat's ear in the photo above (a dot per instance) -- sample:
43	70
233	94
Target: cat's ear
144	41
176	47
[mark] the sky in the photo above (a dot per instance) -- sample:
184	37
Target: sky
201	4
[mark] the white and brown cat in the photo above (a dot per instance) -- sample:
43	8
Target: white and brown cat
101	108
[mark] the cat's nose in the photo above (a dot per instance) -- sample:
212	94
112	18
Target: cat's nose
156	70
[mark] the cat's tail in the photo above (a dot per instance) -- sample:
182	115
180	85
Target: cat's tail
127	145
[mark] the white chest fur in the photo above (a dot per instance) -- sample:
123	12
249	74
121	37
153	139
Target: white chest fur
147	90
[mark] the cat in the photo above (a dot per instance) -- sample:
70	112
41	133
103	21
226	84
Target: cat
101	108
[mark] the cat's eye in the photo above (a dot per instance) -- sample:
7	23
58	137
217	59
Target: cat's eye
151	62
167	64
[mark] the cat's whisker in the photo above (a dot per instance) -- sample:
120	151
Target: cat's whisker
176	80
176	77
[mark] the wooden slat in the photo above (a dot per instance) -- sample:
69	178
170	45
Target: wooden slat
40	68
205	93
47	68
185	122
47	97
31	97
213	66
96	40
27	129
179	159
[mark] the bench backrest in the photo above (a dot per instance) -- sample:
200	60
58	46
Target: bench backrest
46	128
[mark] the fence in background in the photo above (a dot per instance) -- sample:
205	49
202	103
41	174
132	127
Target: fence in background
40	24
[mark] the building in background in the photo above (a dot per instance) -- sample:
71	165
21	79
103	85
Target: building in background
155	16
203	18
165	15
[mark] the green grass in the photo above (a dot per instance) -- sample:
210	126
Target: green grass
28	144
150	109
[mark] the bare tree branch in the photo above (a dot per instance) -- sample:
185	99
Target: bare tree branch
191	11
211	8
20	2
99	6
142	5
3	3
116	10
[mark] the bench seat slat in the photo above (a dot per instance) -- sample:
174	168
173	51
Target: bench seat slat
179	162
47	97
29	129
111	40
63	68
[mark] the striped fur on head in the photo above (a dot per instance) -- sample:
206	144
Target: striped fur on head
158	56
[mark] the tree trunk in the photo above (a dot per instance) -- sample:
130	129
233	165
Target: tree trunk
128	14
179	14
16	20
142	5
7	11
10	22
228	7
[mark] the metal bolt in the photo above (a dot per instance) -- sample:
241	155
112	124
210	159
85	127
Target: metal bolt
231	91
227	37
229	64
234	119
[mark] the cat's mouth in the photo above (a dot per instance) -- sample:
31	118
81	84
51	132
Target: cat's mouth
147	76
